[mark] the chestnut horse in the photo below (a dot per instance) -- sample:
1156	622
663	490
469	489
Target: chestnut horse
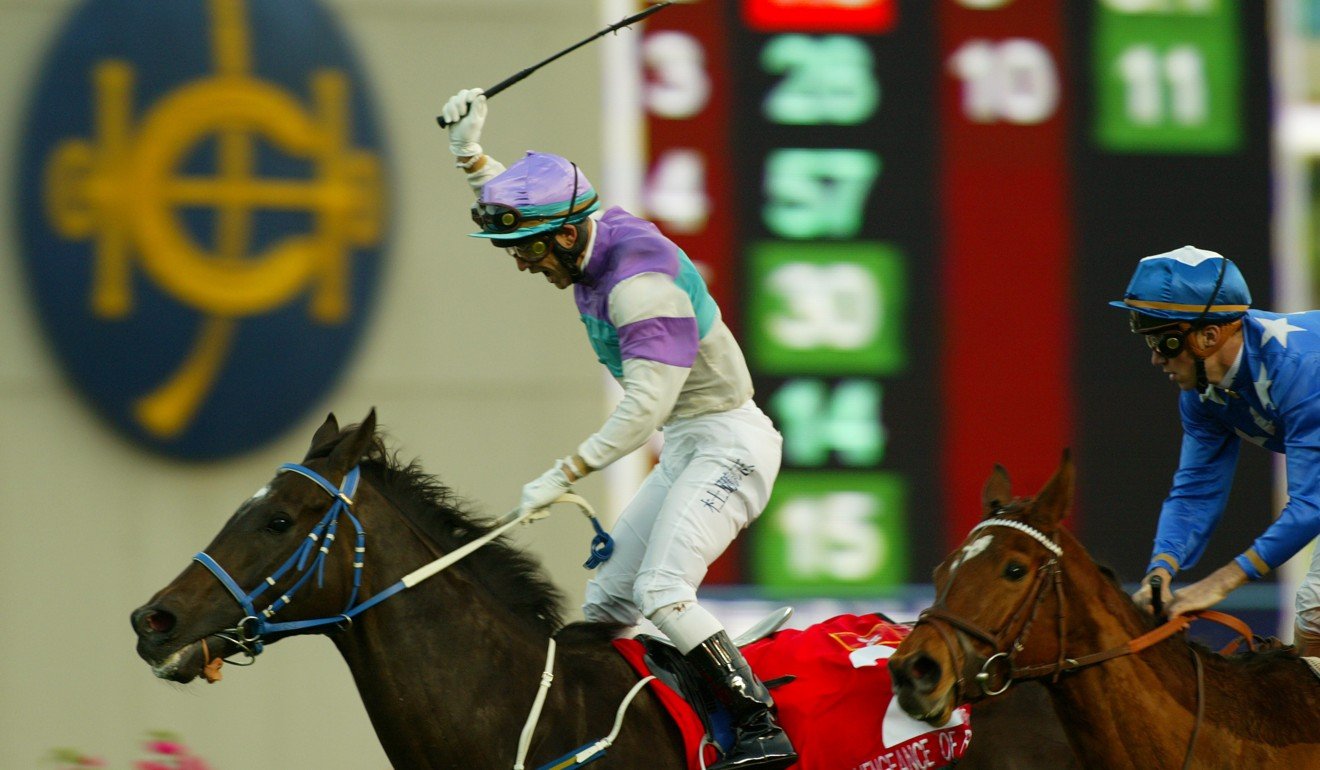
447	670
1023	599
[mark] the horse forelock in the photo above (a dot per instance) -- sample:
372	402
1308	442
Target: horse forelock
515	578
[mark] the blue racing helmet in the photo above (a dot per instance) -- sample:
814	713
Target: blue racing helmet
1186	285
538	194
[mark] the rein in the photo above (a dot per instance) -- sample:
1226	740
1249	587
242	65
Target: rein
1052	572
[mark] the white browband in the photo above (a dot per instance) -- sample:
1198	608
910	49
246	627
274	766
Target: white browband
1035	534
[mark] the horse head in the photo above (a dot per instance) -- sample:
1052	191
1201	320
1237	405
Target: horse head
996	606
275	548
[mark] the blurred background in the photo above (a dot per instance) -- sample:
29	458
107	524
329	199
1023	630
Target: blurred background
229	218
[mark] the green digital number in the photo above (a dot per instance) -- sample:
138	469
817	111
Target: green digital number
827	80
818	193
827	308
816	421
1169	75
833	534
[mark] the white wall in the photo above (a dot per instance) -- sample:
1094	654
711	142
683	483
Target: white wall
478	370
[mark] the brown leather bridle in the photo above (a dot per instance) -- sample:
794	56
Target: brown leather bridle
1050	572
1008	640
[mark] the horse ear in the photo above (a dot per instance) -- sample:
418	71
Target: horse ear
347	453
328	430
1056	497
997	491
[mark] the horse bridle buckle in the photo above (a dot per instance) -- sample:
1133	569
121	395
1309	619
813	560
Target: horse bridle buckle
984	675
250	622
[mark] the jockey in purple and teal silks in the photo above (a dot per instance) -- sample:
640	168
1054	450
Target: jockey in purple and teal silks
1245	375
652	323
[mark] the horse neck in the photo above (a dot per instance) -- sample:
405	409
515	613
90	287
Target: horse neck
448	672
1156	684
430	660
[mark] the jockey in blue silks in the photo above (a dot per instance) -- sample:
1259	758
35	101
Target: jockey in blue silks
1244	375
652	323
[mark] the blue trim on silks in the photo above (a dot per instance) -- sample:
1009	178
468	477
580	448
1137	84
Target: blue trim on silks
602	546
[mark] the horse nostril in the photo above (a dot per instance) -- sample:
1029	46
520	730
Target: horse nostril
898	673
148	621
925	671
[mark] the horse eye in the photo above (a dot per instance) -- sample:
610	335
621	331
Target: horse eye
1015	571
279	523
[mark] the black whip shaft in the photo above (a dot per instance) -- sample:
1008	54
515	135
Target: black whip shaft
629	21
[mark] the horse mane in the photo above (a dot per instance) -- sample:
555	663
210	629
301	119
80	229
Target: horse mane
515	579
1261	662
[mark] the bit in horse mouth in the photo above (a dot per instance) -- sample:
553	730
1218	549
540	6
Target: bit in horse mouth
938	713
199	657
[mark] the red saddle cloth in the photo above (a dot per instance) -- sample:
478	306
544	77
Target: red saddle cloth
838	709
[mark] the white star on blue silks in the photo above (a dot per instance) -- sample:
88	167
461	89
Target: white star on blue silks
1276	329
1263	383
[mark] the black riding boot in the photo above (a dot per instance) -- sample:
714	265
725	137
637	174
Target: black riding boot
759	742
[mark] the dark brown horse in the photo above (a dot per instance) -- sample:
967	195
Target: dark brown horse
447	668
1022	598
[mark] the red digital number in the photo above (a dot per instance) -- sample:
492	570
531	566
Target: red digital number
858	16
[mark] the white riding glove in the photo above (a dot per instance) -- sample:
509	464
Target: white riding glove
465	112
546	489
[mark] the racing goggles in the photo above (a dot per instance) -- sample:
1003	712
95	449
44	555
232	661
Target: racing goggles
496	217
1169	344
503	219
528	250
1163	336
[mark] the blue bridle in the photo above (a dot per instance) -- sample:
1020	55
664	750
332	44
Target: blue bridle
256	625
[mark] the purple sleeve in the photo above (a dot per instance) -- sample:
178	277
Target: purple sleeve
670	341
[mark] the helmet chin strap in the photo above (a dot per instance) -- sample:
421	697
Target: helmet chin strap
569	258
1202	381
1193	348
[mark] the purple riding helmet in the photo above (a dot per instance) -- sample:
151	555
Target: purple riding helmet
522	208
532	197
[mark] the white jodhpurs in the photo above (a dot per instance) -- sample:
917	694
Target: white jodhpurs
1307	602
713	479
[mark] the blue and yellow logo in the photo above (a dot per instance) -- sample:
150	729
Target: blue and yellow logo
203	213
